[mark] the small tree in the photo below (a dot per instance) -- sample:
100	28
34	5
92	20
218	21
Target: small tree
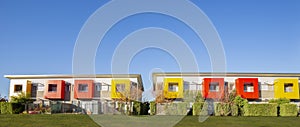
199	97
21	98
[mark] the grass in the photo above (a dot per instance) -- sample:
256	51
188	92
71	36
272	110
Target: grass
73	120
55	120
192	121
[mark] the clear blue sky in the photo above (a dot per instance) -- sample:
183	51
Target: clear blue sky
38	37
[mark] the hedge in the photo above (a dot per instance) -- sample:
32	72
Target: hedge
288	110
234	110
222	109
198	107
137	108
6	108
152	108
260	109
180	108
0	106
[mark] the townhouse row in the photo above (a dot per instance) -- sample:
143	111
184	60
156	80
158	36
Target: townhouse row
94	93
252	86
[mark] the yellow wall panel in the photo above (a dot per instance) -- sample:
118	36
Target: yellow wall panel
289	93
28	87
173	94
118	95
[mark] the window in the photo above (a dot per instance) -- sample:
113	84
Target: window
52	88
18	88
173	87
105	88
288	87
248	87
214	86
83	88
98	87
120	87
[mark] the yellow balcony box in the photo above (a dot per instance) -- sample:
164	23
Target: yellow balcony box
286	88
173	88
120	88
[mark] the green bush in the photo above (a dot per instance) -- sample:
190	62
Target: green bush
280	101
152	108
288	110
260	109
176	108
222	109
240	103
6	108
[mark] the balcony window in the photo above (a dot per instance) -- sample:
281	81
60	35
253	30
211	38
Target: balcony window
83	88
52	88
288	87
248	87
120	87
173	87
18	88
214	86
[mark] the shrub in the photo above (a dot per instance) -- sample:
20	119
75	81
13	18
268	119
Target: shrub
288	110
260	110
240	103
176	108
17	108
152	108
279	101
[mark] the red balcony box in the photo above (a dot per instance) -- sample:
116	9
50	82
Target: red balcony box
55	89
247	88
213	88
84	89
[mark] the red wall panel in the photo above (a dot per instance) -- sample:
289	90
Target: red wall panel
84	95
213	94
239	85
60	90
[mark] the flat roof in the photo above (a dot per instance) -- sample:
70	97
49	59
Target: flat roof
49	76
226	74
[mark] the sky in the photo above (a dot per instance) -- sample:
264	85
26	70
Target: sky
38	37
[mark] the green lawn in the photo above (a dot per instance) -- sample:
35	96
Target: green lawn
73	120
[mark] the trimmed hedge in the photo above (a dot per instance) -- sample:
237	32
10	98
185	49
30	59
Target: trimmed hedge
260	109
176	108
197	108
6	108
152	108
222	109
288	110
225	109
234	110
